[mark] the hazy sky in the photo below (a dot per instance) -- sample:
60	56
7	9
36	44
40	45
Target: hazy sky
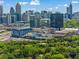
38	5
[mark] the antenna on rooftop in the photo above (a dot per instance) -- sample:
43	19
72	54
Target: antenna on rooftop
70	1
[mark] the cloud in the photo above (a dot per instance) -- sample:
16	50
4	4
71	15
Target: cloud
50	9
35	2
56	7
66	5
24	3
1	1
75	2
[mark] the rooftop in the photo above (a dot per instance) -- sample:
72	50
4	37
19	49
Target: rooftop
20	25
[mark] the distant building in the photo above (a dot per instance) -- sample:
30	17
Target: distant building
18	12
45	22
37	19
76	16
44	14
7	19
24	17
29	17
32	21
1	14
49	14
29	13
56	21
4	17
12	13
69	11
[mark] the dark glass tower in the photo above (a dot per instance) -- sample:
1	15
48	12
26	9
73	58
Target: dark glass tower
1	13
18	12
69	11
12	13
56	20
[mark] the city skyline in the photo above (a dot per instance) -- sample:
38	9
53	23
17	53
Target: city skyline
38	5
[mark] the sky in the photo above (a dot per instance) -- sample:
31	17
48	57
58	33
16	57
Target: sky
38	5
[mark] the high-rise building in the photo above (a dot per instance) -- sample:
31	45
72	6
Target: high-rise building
12	11
6	19
24	17
1	13
29	13
45	22
56	21
44	14
32	21
37	18
69	11
49	14
70	8
9	19
13	16
18	11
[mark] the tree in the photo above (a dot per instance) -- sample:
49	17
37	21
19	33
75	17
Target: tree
71	24
47	56
39	57
58	56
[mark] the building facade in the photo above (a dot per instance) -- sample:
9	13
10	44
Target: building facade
12	13
44	14
56	21
18	12
1	14
20	29
69	11
37	18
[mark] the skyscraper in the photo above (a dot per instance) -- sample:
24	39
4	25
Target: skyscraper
24	17
37	18
18	12
32	21
49	14
1	13
56	20
45	22
12	13
29	13
69	11
70	8
44	14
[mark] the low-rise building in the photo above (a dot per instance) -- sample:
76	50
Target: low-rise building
20	29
